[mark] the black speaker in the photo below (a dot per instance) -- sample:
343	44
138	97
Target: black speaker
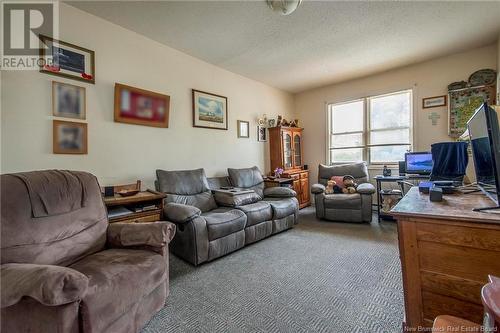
402	168
306	166
109	191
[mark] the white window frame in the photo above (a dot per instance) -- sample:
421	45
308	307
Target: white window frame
366	145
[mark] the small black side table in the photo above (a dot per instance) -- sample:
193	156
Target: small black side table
391	179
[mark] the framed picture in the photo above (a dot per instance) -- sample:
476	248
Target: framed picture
69	137
463	104
243	129
261	133
141	107
67	60
68	100
433	102
209	110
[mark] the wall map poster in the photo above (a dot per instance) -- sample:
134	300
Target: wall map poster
463	103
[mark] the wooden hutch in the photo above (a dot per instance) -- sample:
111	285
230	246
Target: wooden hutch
286	150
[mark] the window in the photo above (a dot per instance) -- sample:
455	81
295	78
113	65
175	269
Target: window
374	129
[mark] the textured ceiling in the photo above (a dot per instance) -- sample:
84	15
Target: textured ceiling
322	42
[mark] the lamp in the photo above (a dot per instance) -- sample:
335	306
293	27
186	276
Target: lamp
284	7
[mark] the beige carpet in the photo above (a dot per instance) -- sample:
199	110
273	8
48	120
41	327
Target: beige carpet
318	277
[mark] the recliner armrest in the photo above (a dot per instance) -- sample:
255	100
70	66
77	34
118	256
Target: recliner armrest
366	188
48	284
154	236
317	188
179	213
279	192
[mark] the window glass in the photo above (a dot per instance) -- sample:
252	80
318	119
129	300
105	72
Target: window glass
384	139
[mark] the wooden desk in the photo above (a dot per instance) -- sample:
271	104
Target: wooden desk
447	251
134	203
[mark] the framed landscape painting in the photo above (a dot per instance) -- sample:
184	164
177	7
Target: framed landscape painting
209	110
141	107
67	60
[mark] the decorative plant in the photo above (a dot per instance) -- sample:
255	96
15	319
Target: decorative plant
278	172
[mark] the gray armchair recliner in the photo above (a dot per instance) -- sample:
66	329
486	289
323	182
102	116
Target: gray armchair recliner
210	225
356	207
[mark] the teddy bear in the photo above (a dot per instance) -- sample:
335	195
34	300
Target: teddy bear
349	185
332	187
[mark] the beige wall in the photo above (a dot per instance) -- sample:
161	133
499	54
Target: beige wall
120	152
427	79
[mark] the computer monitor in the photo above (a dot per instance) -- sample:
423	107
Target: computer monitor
419	163
484	134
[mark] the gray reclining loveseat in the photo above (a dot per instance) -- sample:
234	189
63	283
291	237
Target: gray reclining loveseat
210	225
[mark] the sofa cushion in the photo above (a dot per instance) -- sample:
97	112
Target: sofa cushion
257	212
283	207
50	240
187	187
279	192
248	178
224	221
343	201
118	279
217	182
184	182
204	201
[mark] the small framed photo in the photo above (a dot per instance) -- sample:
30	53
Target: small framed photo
68	100
141	107
433	102
69	137
209	110
261	133
67	60
243	129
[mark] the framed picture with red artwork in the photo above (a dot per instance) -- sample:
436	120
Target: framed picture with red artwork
141	107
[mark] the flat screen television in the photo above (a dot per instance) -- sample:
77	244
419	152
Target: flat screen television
485	142
419	163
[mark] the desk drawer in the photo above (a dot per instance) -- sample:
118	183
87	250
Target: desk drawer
479	238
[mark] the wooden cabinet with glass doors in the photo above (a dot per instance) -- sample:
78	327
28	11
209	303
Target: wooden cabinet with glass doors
286	150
